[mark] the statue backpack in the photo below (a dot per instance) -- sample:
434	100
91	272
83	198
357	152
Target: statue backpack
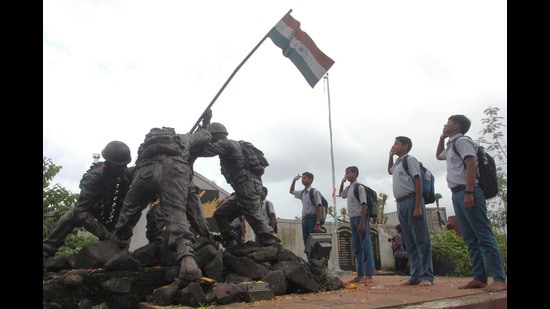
160	141
254	158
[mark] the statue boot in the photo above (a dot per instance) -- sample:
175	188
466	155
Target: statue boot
189	271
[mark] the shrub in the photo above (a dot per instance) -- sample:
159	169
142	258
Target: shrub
448	247
73	243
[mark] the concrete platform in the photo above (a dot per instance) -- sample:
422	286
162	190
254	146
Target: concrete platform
385	292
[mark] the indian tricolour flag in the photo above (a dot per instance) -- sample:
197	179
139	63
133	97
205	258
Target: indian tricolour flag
300	49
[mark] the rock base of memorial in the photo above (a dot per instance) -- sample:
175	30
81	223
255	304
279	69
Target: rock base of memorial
102	274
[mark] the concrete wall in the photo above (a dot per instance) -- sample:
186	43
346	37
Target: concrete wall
433	221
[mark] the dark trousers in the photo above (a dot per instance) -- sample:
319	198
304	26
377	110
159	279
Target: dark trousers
246	202
401	266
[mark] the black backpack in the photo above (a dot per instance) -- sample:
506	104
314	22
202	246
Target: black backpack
372	200
254	158
324	202
487	177
428	180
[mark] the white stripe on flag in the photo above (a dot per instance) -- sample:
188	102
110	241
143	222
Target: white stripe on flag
302	53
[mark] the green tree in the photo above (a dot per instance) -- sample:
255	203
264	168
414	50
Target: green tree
382	216
493	139
55	199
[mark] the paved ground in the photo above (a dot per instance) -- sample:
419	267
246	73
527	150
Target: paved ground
385	292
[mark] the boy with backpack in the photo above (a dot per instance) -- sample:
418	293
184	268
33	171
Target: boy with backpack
268	212
360	227
311	212
411	212
470	205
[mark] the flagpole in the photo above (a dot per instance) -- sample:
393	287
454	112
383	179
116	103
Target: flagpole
231	77
331	148
334	209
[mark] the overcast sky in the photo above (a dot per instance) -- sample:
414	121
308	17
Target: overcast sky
115	69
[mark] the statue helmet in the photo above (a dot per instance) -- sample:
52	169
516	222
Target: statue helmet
117	153
216	127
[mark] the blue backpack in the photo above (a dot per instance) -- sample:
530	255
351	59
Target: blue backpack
428	180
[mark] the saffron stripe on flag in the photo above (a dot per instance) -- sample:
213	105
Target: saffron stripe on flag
298	46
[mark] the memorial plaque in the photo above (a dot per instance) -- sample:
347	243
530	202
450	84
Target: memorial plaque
346	256
375	244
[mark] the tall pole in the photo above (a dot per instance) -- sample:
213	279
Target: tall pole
334	209
331	151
